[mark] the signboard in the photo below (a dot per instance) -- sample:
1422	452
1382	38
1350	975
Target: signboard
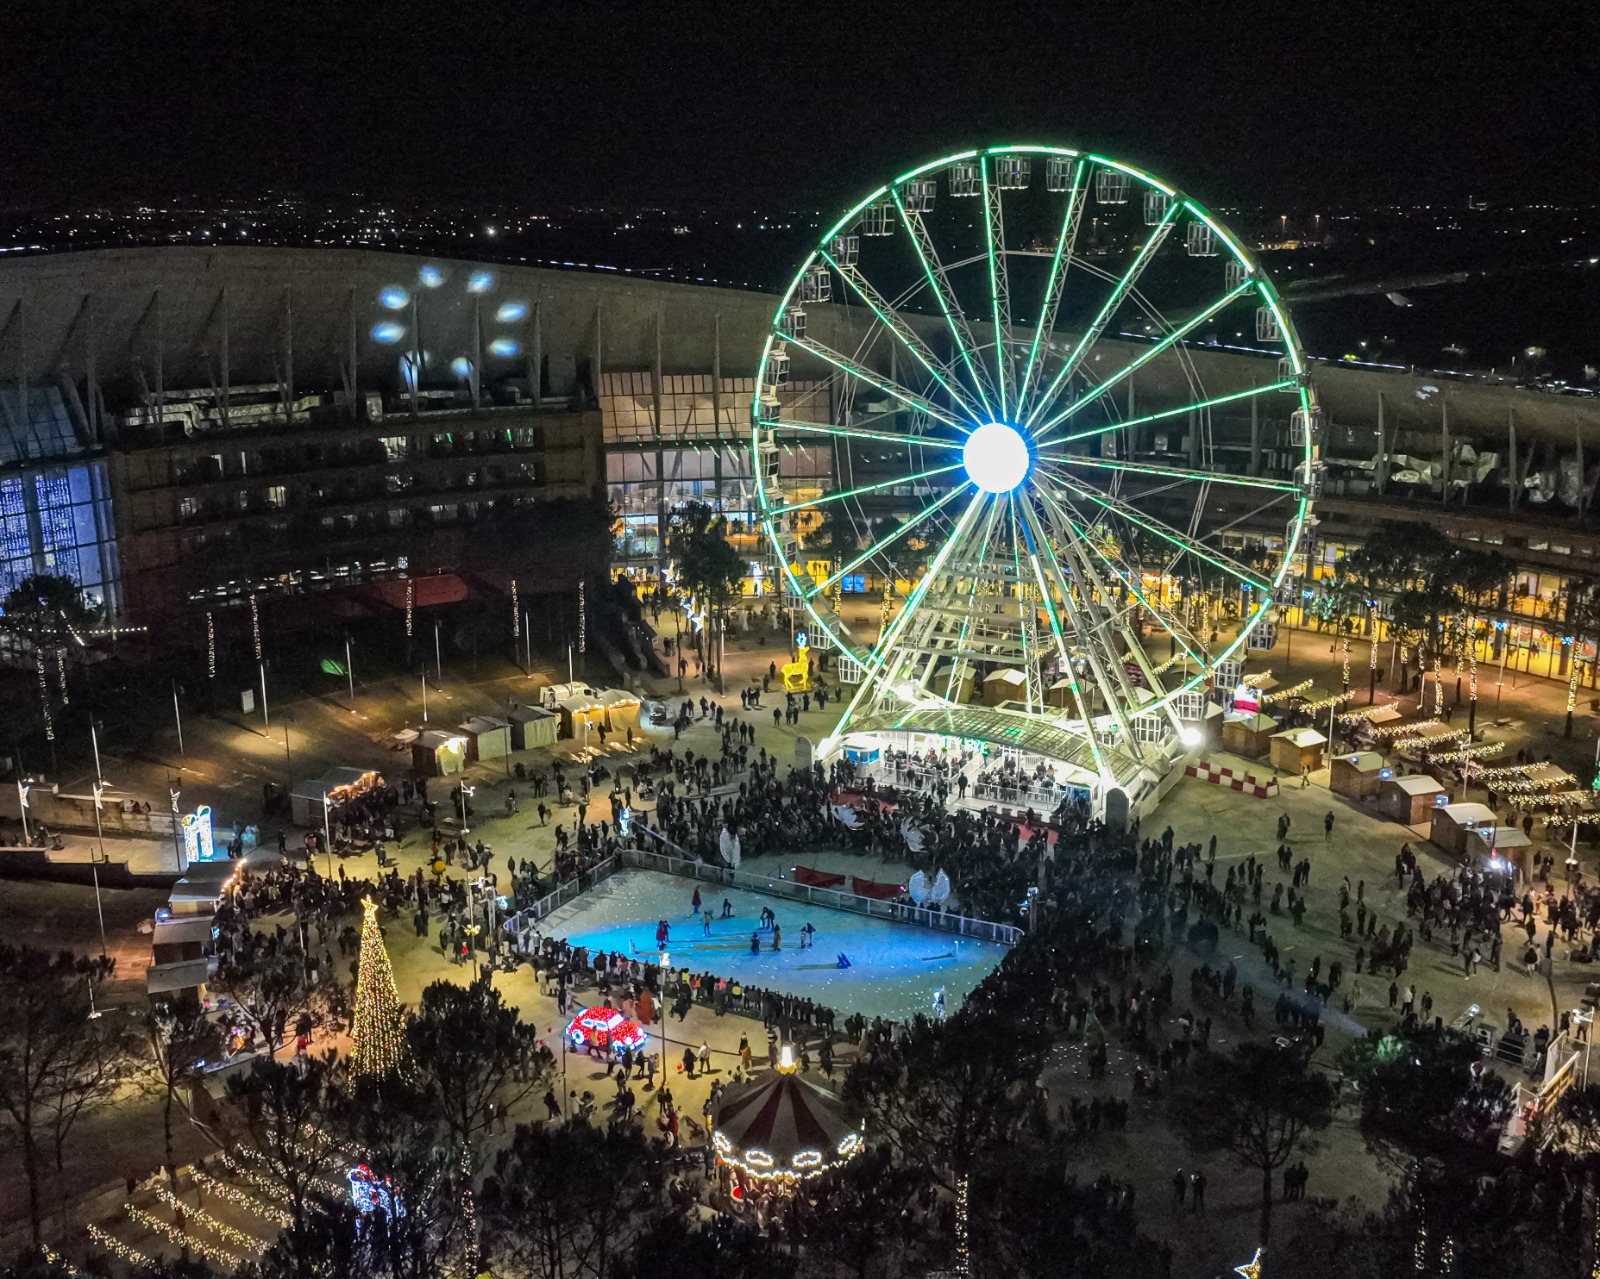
197	840
1246	699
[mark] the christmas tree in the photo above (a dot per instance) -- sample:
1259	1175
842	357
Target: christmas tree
377	1028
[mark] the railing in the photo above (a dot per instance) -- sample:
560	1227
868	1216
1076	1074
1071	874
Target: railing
564	892
894	912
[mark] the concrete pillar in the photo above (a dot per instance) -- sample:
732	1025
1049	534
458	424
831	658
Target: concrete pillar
661	457
597	352
716	400
477	350
353	356
91	372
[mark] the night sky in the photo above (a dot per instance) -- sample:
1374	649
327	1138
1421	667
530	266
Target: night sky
791	105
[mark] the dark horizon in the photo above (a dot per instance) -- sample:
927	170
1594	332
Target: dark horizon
781	109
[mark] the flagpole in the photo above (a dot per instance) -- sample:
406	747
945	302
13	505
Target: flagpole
22	794
94	866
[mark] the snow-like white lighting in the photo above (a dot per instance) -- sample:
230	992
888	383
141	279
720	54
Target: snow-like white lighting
996	457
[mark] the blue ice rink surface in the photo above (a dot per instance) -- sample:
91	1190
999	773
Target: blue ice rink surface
895	968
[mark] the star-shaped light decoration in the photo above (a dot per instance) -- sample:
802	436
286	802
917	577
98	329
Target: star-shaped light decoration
1251	1269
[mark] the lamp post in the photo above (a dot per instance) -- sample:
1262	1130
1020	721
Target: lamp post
349	671
463	792
177	715
327	834
472	931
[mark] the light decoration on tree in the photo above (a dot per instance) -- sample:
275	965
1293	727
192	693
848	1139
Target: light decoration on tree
376	1026
963	1261
1344	651
1372	635
61	673
1562	801
118	1249
1572	672
44	696
1512	772
1324	703
255	624
411	600
516	612
321	1184
1282	694
56	1259
211	647
1438	685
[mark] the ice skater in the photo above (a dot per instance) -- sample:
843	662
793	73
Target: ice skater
755	942
694	903
807	935
727	909
705	919
844	960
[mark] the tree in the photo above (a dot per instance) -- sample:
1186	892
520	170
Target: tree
178	1039
468	1044
377	1026
708	565
267	987
1262	1104
568	1201
57	1061
48	610
864	1225
948	1092
287	1112
1577	1120
673	1247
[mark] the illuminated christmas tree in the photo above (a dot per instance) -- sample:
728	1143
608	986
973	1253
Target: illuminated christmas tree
377	1028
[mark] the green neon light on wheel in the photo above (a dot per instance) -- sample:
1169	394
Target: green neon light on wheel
1038	480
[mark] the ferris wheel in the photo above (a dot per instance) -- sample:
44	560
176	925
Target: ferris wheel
999	356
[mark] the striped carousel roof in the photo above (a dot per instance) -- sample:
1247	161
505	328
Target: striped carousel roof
780	1126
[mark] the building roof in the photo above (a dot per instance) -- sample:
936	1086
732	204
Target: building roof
1256	723
478	725
528	714
1417	784
1361	761
1301	737
1469	814
181	929
1008	728
183	974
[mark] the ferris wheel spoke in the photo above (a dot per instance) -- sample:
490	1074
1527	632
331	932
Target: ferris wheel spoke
902	332
778	427
866	488
1283	384
1125	576
1164	531
860	371
1060	267
949	305
933	508
1128	370
873	667
1119	291
1167	472
994	231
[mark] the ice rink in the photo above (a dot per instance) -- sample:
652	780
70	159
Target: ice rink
895	968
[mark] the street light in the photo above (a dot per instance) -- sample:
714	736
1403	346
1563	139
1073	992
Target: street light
472	931
463	793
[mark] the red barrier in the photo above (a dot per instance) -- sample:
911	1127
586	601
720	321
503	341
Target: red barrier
871	888
817	878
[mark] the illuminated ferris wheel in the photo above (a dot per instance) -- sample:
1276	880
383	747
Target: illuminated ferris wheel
999	349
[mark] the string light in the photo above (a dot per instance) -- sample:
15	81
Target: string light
1468	753
963	1265
1572	668
233	1195
61	673
1511	772
1280	694
118	1249
1438	685
169	1231
44	696
411	597
56	1259
211	647
1372	635
255	624
1344	649
1322	704
219	1228
583	619
516	612
1429	741
376	1025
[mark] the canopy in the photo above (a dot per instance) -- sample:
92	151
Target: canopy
780	1127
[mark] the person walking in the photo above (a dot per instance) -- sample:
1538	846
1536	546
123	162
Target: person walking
1180	1187
1327	828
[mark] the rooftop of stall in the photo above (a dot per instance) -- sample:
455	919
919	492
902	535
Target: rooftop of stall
1248	734
180	937
184	974
1002	685
622	707
1452	822
1410	800
1358	775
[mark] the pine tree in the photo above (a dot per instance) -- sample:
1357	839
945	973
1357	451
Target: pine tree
377	1029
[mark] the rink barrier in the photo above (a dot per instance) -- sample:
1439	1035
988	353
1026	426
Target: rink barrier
897	913
1246	783
787	889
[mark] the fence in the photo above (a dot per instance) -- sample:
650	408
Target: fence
938	921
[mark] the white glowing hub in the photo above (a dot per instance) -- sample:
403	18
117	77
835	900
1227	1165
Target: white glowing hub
996	457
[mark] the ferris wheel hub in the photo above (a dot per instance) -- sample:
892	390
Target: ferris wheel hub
996	457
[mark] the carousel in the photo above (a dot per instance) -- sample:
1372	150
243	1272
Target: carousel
771	1133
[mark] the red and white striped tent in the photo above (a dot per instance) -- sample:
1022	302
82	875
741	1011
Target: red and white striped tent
780	1127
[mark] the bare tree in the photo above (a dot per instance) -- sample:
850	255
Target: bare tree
178	1039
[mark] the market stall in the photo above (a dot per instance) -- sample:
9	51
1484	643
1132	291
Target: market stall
1502	850
1297	750
1453	822
1409	800
1005	685
487	738
582	718
438	754
1359	775
1249	734
340	786
533	727
622	710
